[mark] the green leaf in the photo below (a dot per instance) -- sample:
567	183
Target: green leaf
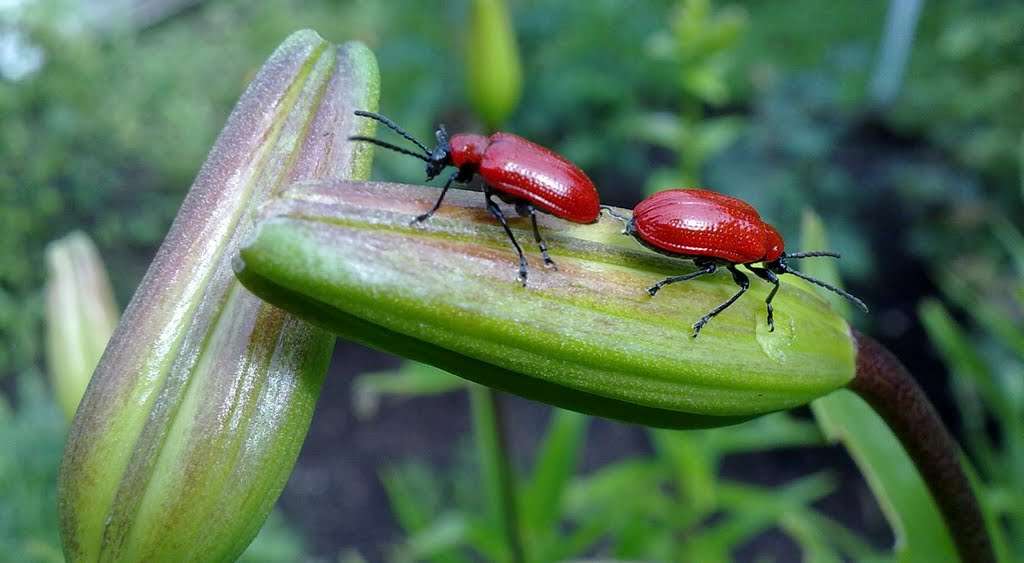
612	493
438	542
586	337
412	379
750	512
195	415
32	435
779	430
694	466
993	317
544	495
960	355
500	502
415	496
1011	239
921	534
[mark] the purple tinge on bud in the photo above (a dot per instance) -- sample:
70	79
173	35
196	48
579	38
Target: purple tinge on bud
194	417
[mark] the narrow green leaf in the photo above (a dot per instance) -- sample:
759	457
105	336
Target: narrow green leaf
586	337
812	542
961	356
1020	161
544	495
618	504
80	316
611	492
496	472
412	379
921	534
694	466
414	493
994	318
438	542
195	415
779	430
750	512
1012	240
854	546
415	497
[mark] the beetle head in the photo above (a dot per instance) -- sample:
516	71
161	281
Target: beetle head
441	156
436	159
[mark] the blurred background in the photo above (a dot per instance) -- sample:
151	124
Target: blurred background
899	123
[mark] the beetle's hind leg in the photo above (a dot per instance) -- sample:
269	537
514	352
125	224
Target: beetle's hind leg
770	277
497	213
705	268
524	208
741	280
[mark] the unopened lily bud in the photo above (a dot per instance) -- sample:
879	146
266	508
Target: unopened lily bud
80	316
493	73
195	415
586	336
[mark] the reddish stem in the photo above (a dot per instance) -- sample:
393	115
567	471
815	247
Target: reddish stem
888	387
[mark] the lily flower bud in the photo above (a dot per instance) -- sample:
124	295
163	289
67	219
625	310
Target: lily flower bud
195	415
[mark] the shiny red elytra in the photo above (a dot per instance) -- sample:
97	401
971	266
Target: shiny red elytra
716	230
514	169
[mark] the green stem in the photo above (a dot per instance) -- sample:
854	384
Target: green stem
888	387
496	470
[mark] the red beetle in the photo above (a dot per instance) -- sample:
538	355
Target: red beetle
516	170
716	230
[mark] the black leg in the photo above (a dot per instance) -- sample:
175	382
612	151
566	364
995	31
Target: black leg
768	276
496	211
708	268
741	280
437	204
548	262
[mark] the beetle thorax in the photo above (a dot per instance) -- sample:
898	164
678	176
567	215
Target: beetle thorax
773	244
468	149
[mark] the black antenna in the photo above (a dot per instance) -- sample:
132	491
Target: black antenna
394	127
813	254
817	282
395	148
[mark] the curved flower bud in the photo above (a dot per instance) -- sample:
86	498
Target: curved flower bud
493	74
80	316
195	415
586	337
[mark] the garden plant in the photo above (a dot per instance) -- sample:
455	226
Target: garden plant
196	411
463	413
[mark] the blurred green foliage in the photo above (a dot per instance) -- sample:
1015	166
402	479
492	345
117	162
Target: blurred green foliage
109	134
986	358
670	506
699	47
32	431
965	87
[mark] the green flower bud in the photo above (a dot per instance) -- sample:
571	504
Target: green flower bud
80	316
493	74
195	415
585	337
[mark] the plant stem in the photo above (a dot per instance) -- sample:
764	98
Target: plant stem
499	482
888	387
